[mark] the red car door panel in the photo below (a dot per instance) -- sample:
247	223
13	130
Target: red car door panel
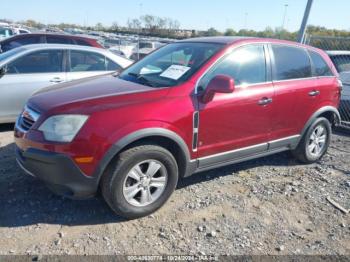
233	121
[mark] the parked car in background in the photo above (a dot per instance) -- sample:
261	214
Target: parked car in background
124	48
43	38
6	32
23	31
341	60
27	69
188	107
144	49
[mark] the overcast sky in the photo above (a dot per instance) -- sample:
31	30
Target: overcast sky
192	14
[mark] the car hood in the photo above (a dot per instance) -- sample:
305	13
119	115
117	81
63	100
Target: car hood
88	89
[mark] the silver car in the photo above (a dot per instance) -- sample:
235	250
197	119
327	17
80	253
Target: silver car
341	60
27	69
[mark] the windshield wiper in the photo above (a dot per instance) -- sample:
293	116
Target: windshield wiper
142	79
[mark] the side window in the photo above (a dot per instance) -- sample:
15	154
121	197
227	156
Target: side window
291	63
57	40
48	61
112	66
81	42
81	61
320	66
246	65
28	40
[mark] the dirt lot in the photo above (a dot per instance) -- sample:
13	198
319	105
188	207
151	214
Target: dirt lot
268	206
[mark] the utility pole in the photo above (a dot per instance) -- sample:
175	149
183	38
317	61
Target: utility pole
302	30
284	16
245	21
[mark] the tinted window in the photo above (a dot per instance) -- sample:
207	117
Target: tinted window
320	66
291	63
48	61
341	62
245	65
111	66
57	40
28	40
82	61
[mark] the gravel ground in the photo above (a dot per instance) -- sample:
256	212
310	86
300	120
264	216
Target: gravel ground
268	206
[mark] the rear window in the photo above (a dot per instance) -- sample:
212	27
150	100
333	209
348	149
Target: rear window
290	63
320	66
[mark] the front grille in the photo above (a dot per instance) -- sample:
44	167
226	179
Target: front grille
27	118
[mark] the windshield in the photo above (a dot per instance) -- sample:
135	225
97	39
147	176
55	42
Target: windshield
170	65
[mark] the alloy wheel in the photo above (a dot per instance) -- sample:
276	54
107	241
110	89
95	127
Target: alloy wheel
145	183
317	141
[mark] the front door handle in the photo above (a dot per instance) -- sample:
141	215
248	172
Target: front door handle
264	101
56	80
314	93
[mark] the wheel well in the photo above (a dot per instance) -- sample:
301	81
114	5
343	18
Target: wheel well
167	143
331	116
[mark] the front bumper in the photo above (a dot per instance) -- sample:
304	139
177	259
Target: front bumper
58	171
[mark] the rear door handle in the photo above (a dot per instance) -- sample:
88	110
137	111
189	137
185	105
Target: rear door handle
264	101
314	93
56	80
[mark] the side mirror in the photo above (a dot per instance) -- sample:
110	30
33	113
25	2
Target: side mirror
219	84
3	71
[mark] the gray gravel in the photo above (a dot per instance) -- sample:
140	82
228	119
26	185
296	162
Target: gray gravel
268	206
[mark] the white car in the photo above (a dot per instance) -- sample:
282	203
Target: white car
341	60
27	69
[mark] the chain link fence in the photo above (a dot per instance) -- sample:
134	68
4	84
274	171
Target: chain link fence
338	48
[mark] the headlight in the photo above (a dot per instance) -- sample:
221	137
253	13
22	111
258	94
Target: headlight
62	128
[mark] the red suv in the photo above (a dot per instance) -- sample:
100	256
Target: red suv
190	106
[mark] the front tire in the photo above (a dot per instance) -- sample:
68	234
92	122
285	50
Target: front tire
315	142
141	181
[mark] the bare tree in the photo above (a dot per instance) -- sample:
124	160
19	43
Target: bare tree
114	26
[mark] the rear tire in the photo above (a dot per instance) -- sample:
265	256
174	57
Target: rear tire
314	144
140	181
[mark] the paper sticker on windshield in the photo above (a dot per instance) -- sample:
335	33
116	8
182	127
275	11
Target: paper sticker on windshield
175	71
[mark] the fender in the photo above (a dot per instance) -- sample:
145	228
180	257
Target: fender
319	112
144	133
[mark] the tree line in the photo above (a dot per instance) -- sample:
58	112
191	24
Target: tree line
168	27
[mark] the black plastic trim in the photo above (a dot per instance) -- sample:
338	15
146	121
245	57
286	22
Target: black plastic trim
58	171
242	159
144	133
320	112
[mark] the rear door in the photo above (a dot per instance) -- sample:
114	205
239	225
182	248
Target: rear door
294	84
85	64
26	75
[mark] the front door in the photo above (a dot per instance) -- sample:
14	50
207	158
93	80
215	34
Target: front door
25	76
238	124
